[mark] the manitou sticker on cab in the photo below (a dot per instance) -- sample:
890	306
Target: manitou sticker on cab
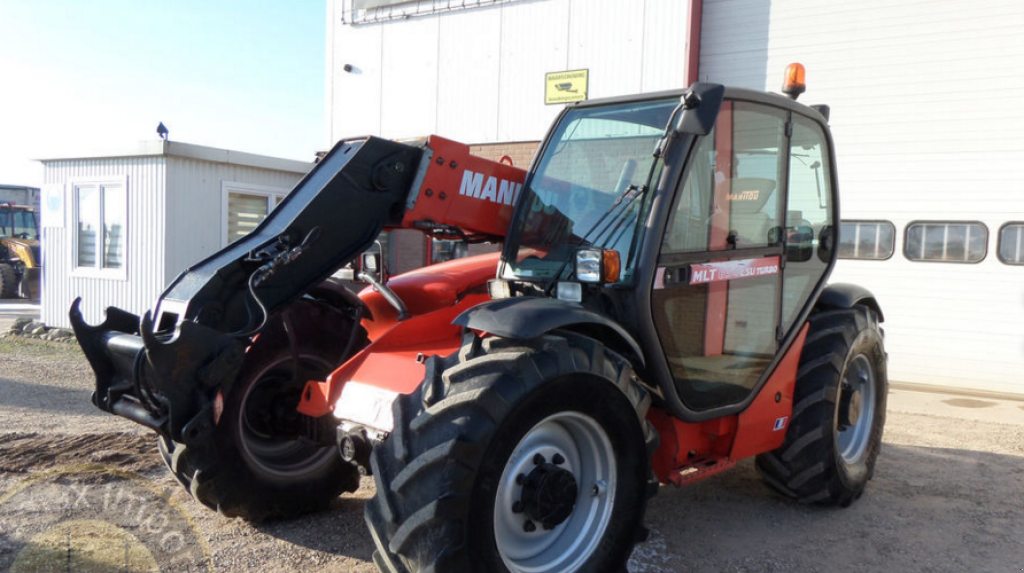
732	270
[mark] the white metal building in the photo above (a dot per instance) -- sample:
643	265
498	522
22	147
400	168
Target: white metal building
925	114
119	226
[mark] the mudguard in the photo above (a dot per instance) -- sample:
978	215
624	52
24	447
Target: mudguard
527	317
846	295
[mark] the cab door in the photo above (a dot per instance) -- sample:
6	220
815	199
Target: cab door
723	296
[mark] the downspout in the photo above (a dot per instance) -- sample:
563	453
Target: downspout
693	16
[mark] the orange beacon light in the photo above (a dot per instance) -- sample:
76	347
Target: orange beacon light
794	82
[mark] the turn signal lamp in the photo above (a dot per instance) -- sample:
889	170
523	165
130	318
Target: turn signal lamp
612	266
794	83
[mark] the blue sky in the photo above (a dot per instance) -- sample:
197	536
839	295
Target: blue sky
79	75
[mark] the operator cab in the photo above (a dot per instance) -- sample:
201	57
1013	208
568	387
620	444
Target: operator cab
701	221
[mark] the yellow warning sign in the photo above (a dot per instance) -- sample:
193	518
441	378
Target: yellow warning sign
566	87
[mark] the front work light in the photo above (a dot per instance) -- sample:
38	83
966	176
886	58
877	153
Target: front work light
794	83
597	266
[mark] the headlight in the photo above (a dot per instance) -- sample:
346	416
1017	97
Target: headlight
588	265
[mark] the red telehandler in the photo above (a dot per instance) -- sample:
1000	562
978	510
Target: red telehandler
659	312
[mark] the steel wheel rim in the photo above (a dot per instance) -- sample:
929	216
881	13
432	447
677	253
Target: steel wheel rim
853	442
279	457
588	454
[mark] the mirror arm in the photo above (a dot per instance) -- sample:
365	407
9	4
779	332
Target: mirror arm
388	294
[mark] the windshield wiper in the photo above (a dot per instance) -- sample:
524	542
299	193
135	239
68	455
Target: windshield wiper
620	208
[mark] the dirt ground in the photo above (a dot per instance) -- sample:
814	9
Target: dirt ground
948	495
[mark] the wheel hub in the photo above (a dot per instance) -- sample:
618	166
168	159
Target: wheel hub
549	495
850	406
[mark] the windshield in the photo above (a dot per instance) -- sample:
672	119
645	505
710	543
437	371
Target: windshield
24	224
589	188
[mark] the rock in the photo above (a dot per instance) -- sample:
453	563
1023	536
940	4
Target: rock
31	327
36	328
19	323
61	333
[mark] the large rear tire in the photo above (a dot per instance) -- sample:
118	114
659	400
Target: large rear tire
8	281
515	456
835	435
256	466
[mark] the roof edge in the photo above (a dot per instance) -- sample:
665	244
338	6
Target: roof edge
160	148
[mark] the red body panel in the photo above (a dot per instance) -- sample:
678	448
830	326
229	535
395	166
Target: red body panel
461	190
763	425
428	289
434	296
689	452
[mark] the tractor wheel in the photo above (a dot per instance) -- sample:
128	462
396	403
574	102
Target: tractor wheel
258	466
8	281
839	402
515	456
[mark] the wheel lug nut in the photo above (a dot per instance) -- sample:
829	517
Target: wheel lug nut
517	507
538	459
520	479
529	527
557	459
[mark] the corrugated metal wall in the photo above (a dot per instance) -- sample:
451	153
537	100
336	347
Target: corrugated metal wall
927	123
145	245
174	220
194	206
477	75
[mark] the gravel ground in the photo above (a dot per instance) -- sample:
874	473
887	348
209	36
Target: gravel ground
948	495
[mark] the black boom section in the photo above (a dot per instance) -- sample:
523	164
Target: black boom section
332	215
165	372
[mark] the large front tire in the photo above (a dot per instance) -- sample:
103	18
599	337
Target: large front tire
835	435
255	466
515	456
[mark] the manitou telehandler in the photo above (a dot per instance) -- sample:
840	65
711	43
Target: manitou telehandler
658	313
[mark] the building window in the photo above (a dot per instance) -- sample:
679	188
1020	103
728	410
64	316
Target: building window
1011	244
246	206
101	216
953	242
873	240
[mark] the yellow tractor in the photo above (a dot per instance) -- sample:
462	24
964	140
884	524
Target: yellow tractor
20	260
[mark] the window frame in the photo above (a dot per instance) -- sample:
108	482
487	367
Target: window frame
273	196
906	232
99	271
892	252
999	243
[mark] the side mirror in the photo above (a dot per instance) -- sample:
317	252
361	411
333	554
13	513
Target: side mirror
799	244
369	262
